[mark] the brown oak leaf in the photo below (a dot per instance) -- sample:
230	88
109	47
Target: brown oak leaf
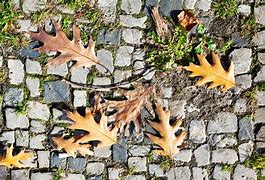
188	20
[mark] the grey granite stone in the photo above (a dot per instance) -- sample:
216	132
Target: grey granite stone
61	70
261	58
220	174
95	168
101	81
204	5
223	122
124	56
135	177
106	59
259	39
260	75
259	115
77	164
130	21
240	106
260	136
183	155
131	6
22	138
136	150
43	159
36	142
37	110
8	137
138	67
245	129
24	25
114	173
119	76
108	9
245	150
155	169
261	98
30	6
109	37
244	81
137	163
79	75
168	92
199	174
28	51
168	7
197	131
179	173
227	142
242	60
179	108
79	98
189	4
42	176
33	85
33	67
58	162
103	152
56	91
3	172
13	96
202	155
244	9
228	156
74	177
244	173
260	146
259	13
132	36
37	126
20	174
139	54
13	120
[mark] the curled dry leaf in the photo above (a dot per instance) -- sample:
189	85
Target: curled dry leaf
187	20
214	73
168	141
11	161
130	109
69	49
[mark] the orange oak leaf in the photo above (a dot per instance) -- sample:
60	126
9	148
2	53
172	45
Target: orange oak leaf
168	141
11	161
188	20
215	73
69	49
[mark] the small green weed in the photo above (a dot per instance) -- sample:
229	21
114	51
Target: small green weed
225	8
3	75
248	26
227	167
57	175
255	162
166	163
150	157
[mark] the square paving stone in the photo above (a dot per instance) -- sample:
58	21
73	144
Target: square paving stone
56	91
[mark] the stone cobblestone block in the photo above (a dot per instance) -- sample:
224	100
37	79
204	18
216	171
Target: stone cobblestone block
135	177
79	98
38	110
169	6
259	39
261	58
33	85
197	131
36	142
56	91
227	142
103	152
240	106
74	177
105	58
22	138
183	155
244	9
109	37
114	173
243	81
131	6
223	122
241	172
61	70
204	5
13	96
132	36
228	156
136	150
130	21
43	159
77	164
21	174
16	71
101	81
95	168
37	126
241	65
245	150
41	176
199	174
137	163
220	174
57	162
261	98
260	136
33	67
14	120
259	115
8	137
179	173
155	169
3	172
124	56
246	128
79	75
259	13
108	9
260	75
119	76
202	155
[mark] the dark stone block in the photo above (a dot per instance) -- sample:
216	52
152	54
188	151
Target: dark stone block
56	91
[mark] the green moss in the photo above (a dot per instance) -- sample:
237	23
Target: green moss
255	162
166	163
225	8
57	175
227	167
3	75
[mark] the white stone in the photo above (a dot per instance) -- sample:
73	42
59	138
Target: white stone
179	173
199	174
197	131
204	5
33	85
260	75
189	4
75	177
20	174
8	137
242	60
103	152
14	120
30	6
136	150
16	71
37	126
132	36
79	75
108	9
33	67
220	174
131	6
228	156
240	106
101	81
24	25
137	163
155	169
244	173
202	155
80	98
261	98
22	138
259	115
183	155
41	176
245	151
244	9
178	107
224	122
259	13
259	39
227	142
130	21
61	70
43	159
38	111
95	168
114	173
106	59
124	56
36	142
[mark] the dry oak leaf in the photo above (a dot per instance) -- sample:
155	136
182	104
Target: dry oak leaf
168	141
69	49
214	73
130	109
10	161
97	131
72	146
187	20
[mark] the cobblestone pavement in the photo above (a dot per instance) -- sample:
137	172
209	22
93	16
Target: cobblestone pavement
218	142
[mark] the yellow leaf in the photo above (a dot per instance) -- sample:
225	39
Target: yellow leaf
10	161
168	141
212	73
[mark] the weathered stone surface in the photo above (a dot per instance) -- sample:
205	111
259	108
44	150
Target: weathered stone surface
33	85
202	155
41	176
132	36
167	92
179	173
119	76
197	131
189	4
260	75
259	115
30	6
259	39
108	9
58	162
135	177
77	164
59	116
103	152
33	67
244	173
240	106
130	21
61	70
114	173
28	51
204	5
100	81
124	56
261	98
183	155
3	172
37	126
259	13
138	163
43	159
20	174
223	122
228	156
169	7
106	59
95	168
131	6
244	9
243	81
245	151
179	108
227	142
220	174
79	98
119	153
261	58
79	75
74	177
22	138
37	110
139	150
199	173
155	169
13	120
56	91
109	37
36	142
261	134
238	40
242	60
245	129
8	137
13	96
